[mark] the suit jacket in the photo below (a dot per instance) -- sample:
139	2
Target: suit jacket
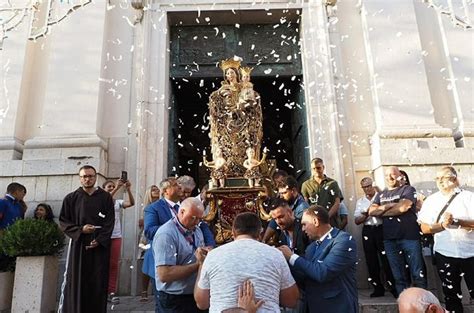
156	214
300	239
328	271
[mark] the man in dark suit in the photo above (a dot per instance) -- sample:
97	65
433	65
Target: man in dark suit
328	267
289	232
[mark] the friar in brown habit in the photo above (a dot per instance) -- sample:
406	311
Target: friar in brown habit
87	217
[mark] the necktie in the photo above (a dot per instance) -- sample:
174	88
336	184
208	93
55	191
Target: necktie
176	208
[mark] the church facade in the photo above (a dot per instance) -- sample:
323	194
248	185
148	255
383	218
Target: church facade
124	85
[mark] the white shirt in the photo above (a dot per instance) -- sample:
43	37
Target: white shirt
171	207
294	257
117	232
362	206
452	242
228	266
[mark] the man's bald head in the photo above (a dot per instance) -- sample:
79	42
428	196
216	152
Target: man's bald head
418	300
393	177
190	212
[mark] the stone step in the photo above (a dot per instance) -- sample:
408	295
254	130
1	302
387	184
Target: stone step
386	304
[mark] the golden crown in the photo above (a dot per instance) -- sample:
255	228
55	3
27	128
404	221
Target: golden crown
246	70
225	64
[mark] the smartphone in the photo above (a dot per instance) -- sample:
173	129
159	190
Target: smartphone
124	176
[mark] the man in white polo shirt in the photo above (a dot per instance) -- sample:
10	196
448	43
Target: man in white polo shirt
372	240
453	235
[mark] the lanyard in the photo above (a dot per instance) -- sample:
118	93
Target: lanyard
188	235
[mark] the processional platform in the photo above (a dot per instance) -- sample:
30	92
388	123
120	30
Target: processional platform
237	169
227	202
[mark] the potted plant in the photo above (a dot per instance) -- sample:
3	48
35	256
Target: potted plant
36	245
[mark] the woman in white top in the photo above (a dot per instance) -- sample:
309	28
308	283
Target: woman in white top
116	242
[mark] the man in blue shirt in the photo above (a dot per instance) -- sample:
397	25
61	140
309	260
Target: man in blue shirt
177	246
12	208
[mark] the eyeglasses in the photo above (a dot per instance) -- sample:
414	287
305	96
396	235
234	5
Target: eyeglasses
443	178
87	176
367	186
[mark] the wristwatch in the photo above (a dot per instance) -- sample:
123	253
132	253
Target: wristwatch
455	222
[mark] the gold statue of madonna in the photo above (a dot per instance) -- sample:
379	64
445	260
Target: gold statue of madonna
235	117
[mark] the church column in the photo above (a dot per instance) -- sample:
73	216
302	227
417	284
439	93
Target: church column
23	65
442	82
153	96
116	121
66	135
407	133
323	129
149	130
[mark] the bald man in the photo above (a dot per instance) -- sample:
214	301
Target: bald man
418	300
177	246
396	205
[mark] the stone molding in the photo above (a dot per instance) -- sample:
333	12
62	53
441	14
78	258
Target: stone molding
66	142
435	131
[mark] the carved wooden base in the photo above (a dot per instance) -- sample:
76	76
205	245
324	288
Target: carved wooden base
225	203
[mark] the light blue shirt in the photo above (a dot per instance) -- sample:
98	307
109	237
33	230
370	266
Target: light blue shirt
170	247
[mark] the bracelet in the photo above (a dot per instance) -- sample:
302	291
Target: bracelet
442	226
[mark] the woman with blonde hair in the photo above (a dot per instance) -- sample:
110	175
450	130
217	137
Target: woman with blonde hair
152	194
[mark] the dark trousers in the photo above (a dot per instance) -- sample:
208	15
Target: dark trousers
450	271
170	303
372	240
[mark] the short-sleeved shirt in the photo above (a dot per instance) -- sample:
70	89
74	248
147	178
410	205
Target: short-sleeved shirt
323	194
403	226
343	209
170	247
227	267
117	232
362	206
452	242
10	211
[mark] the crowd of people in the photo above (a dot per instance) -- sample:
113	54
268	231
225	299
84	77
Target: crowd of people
302	261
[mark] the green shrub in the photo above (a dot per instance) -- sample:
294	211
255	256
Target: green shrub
32	237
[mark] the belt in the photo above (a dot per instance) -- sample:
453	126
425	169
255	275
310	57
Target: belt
373	225
171	295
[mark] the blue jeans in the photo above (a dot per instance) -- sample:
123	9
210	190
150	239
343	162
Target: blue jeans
158	308
403	251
